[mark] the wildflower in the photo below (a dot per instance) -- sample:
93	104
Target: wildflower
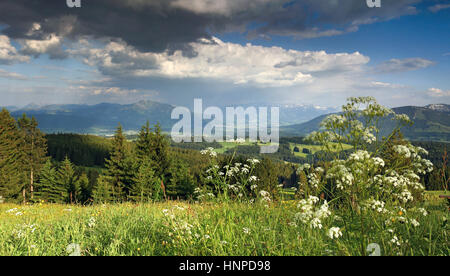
334	233
415	223
253	161
12	210
316	223
91	222
209	151
246	230
423	211
395	241
378	162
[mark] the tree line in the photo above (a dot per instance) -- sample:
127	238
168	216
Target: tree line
144	170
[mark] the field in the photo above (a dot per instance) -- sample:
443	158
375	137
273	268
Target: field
312	149
231	145
205	229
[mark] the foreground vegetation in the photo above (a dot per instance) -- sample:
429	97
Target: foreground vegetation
206	229
366	195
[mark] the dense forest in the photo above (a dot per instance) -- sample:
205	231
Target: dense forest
73	168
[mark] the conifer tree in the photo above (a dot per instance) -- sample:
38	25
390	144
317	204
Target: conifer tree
118	167
48	188
160	153
144	142
34	147
102	192
11	157
66	178
180	182
145	184
84	191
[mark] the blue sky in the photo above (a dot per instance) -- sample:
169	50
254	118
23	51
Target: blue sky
247	52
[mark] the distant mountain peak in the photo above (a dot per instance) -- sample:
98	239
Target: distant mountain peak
439	107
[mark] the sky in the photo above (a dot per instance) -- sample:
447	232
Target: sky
227	52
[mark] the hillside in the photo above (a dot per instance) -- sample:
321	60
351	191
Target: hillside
431	123
99	119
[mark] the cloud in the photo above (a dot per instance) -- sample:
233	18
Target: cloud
9	54
239	64
52	45
403	65
102	94
11	75
438	93
159	25
379	84
438	7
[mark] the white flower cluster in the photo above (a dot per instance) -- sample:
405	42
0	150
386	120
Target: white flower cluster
342	175
24	230
253	161
311	213
265	196
313	180
91	222
209	151
333	121
334	233
402	150
378	206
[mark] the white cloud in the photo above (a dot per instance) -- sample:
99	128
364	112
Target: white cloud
52	46
99	94
439	7
11	75
226	8
240	64
9	54
379	84
436	92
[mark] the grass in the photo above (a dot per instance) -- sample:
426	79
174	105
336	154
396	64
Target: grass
204	229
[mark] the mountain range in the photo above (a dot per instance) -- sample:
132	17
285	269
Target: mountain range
102	119
431	122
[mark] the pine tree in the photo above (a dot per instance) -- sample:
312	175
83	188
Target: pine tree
118	166
145	184
66	178
144	142
84	193
102	192
160	153
48	188
11	157
35	149
180	182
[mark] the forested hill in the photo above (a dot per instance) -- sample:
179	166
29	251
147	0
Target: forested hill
431	123
98	119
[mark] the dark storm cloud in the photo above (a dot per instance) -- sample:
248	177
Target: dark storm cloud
148	28
159	25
